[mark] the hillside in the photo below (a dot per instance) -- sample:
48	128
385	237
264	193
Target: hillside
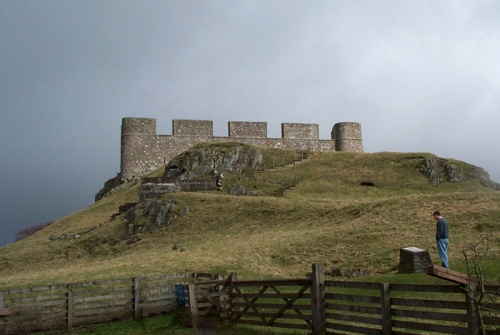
348	210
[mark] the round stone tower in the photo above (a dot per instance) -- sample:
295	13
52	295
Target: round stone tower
138	143
347	137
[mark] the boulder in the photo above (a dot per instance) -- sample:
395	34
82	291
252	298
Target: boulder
235	189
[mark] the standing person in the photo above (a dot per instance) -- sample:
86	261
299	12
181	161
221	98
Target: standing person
442	238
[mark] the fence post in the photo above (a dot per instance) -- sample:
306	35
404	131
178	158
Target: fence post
193	305
318	299
385	294
1	307
70	307
472	315
137	293
232	277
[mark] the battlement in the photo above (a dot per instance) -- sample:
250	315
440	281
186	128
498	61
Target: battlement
143	150
300	131
247	129
192	128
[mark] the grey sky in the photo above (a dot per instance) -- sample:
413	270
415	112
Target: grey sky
420	76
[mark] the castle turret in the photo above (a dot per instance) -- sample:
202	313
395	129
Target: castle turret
138	147
347	137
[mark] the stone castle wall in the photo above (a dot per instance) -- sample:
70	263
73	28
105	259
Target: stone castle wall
142	150
347	136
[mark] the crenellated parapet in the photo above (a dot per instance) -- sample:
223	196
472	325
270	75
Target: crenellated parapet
143	150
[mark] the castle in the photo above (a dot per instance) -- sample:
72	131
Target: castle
143	151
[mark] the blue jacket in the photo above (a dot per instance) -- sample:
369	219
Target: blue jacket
441	229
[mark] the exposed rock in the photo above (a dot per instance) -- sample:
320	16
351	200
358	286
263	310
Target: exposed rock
179	247
439	169
153	213
354	273
125	207
133	239
336	272
452	173
430	169
234	189
207	160
484	178
112	242
184	211
109	185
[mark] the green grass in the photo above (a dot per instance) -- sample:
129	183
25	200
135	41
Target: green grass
166	324
329	217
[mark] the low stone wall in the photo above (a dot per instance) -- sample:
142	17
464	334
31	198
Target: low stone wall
151	190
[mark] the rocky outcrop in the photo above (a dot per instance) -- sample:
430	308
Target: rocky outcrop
153	213
437	170
109	185
210	160
484	178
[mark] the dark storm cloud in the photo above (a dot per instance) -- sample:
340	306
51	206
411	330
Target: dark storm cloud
419	76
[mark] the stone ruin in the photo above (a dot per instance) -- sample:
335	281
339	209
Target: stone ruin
143	150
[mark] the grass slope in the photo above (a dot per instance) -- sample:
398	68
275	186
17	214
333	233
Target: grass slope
329	217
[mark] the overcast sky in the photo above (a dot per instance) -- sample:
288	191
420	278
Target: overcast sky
420	76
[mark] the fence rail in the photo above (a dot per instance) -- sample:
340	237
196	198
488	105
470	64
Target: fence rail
311	304
344	307
65	306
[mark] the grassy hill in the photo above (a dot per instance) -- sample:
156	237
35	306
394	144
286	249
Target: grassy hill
329	217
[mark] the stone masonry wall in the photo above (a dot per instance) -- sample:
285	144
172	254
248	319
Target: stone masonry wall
299	131
143	151
192	128
247	129
347	136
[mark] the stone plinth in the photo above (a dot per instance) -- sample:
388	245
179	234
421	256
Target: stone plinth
414	260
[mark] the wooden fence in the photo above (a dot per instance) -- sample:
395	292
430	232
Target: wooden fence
342	307
64	306
313	304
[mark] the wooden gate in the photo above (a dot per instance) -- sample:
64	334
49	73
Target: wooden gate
209	301
287	303
278	303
